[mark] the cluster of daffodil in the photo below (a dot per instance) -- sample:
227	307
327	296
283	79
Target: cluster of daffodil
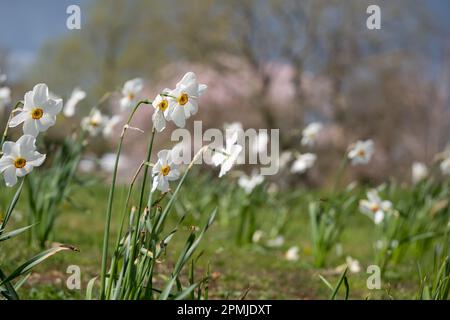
36	113
397	226
142	241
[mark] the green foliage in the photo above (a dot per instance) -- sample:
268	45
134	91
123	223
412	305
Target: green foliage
48	189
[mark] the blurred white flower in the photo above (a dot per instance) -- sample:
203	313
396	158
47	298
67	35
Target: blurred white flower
374	207
361	152
87	165
131	93
445	166
230	130
394	243
379	244
353	265
184	102
17	216
5	97
419	172
165	170
233	127
161	112
227	157
257	236
303	163
76	96
352	185
39	111
275	242
97	123
19	158
292	254
110	124
248	183
310	133
108	161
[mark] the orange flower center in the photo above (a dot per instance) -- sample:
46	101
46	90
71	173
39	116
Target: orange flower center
183	99
37	113
374	208
131	96
163	105
19	163
165	170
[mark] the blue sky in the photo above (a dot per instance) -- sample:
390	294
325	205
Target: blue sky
25	25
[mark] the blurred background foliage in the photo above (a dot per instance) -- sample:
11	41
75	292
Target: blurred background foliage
272	64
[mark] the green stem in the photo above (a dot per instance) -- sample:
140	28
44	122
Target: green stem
136	231
111	198
144	181
127	209
339	173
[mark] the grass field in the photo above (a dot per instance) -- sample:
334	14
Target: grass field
247	270
177	230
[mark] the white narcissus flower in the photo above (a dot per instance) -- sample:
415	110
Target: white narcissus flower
374	207
131	93
292	254
227	157
76	96
87	165
19	158
5	96
445	166
161	113
361	152
310	133
183	103
108	161
234	126
110	124
303	162
248	183
353	265
39	111
94	123
275	242
165	170
419	172
97	123
257	236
